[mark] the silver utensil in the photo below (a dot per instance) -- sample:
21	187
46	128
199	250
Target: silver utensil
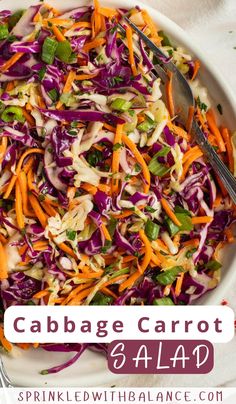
183	99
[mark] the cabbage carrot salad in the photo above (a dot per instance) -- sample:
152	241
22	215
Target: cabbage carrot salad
105	199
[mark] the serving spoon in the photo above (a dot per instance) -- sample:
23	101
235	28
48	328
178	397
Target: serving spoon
183	100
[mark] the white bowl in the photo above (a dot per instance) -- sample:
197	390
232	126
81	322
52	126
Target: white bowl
91	369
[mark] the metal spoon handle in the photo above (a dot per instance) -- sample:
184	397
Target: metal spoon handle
217	164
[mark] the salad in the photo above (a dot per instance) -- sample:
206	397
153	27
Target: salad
105	199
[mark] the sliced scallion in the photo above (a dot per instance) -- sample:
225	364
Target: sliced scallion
152	230
119	104
64	51
49	50
11	114
163	301
3	31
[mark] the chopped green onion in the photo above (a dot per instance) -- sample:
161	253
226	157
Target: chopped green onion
169	276
152	230
112	226
120	272
163	301
157	168
11	114
71	234
145	126
190	253
41	73
49	50
3	31
119	104
94	157
165	40
64	51
179	209
186	224
14	18
150	209
117	146
53	94
101	300
213	265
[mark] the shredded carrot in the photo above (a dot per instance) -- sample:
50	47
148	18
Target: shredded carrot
129	143
213	127
178	131
28	107
229	235
91	189
106	232
196	68
130	281
81	24
155	259
3	260
201	219
30	179
116	158
109	293
190	119
190	160
3	239
80	296
93	44
28	117
38	210
18	169
10	62
179	283
108	12
40	245
194	242
190	153
67	250
58	34
3	147
170	212
201	119
229	148
127	213
104	188
169	95
85	76
41	294
129	36
69	81
109	127
218	200
151	26
10	86
5	343
115	280
58	21
49	209
90	275
19	207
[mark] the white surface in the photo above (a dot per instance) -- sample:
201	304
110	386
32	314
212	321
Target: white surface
209	22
